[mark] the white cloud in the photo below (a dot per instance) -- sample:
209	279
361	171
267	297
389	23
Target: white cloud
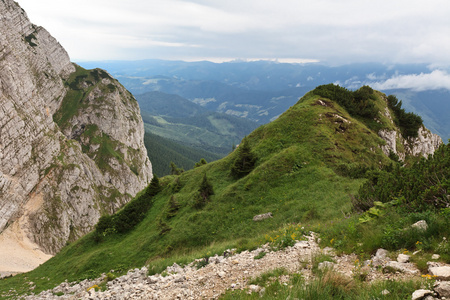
437	79
401	31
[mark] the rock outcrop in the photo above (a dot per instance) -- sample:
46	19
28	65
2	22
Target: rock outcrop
424	144
71	140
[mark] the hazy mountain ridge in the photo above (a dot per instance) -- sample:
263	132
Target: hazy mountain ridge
236	85
57	178
178	119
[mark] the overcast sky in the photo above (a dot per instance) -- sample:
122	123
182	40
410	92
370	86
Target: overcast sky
330	31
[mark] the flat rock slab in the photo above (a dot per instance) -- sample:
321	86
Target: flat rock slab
441	273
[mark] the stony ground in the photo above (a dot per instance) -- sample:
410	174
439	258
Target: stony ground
234	271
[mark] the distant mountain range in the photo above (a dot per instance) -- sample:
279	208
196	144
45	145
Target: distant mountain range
262	90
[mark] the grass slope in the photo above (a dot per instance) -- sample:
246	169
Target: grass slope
296	177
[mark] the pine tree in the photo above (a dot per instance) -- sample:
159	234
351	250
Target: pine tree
244	162
154	187
204	192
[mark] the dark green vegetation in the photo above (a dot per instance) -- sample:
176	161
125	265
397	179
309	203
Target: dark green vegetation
181	131
162	152
409	123
304	167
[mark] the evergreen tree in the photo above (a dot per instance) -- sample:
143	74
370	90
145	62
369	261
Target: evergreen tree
200	163
204	192
154	187
244	162
174	170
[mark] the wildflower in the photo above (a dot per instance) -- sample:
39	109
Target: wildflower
331	242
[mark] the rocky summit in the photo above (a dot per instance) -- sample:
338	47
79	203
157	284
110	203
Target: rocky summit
71	142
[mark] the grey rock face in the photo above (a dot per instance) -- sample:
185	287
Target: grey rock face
424	144
48	165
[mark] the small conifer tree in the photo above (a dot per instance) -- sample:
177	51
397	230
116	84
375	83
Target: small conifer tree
244	162
204	192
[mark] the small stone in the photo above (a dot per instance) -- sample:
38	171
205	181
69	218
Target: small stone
403	258
385	292
221	274
254	288
325	265
435	256
420	294
421	225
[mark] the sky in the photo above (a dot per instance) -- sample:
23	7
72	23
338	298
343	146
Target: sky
328	31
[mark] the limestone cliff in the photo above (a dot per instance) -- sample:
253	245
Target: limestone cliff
424	144
71	140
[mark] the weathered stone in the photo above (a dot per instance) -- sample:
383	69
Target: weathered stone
421	225
435	256
442	288
262	217
420	294
407	268
441	273
325	265
380	258
403	258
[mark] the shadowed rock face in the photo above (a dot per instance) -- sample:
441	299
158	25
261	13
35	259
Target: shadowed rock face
60	171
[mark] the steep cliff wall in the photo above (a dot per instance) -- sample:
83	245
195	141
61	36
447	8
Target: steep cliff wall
71	140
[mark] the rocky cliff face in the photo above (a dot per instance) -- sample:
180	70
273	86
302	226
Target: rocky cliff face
71	140
424	144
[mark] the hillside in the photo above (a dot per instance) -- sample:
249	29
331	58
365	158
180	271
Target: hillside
301	167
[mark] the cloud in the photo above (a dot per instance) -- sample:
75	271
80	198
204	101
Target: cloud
401	31
437	79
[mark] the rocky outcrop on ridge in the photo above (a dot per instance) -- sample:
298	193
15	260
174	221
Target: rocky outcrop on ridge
71	140
424	144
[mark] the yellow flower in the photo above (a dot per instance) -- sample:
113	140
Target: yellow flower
332	240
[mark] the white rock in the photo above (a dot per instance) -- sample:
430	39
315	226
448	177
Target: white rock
421	225
442	288
403	258
419	294
435	256
441	273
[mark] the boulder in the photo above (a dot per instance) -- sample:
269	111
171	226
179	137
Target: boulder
441	273
421	294
442	288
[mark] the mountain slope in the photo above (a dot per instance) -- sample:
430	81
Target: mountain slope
307	162
71	141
